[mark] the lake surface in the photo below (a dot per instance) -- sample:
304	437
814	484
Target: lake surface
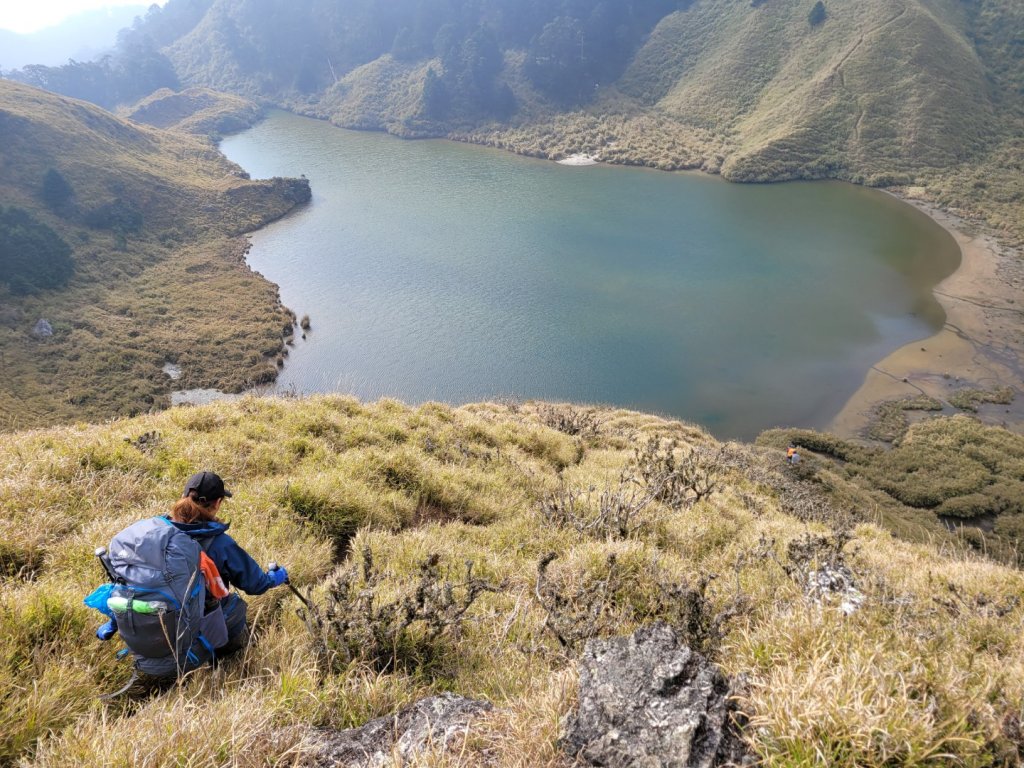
433	270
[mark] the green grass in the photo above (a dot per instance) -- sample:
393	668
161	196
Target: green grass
954	467
928	671
176	290
195	110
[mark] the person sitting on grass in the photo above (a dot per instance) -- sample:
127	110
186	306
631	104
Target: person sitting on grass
196	513
169	591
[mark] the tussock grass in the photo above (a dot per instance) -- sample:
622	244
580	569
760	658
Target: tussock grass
195	110
930	669
174	289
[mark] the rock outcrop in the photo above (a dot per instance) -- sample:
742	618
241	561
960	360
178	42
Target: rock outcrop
42	329
432	722
648	700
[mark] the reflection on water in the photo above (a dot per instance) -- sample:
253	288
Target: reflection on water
440	271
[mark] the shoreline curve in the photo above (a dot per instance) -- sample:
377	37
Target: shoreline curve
981	344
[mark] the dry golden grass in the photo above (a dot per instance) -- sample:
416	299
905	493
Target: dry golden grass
195	110
929	671
177	290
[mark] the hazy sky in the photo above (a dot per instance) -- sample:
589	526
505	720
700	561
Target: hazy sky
31	15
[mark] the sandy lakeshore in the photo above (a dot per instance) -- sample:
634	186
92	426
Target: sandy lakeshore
980	346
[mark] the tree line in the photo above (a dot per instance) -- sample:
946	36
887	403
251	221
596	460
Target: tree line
135	68
32	256
572	47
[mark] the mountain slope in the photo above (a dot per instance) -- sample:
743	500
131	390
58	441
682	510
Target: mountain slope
879	89
912	92
195	110
153	220
925	668
927	94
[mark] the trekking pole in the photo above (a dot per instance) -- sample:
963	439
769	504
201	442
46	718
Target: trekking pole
271	567
101	555
109	628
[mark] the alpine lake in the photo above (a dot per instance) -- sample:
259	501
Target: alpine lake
433	270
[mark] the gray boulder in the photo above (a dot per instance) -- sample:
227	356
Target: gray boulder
42	329
433	722
648	701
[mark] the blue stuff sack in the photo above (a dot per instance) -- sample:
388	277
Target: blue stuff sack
98	599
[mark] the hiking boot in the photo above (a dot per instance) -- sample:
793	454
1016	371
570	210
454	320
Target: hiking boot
140	686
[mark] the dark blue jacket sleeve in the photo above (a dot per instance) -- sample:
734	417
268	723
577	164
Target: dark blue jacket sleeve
237	567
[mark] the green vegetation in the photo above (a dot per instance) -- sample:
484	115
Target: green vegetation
32	256
109	81
195	110
377	509
56	192
817	15
951	467
140	264
890	421
914	93
134	69
970	399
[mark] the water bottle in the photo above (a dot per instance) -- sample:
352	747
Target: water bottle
122	605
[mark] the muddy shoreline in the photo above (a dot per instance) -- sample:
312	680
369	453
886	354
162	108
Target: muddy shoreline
981	344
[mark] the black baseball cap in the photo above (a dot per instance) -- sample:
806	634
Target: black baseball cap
207	485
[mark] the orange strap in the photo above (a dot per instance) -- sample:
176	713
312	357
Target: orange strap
214	583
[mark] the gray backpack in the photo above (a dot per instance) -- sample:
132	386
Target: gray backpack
158	599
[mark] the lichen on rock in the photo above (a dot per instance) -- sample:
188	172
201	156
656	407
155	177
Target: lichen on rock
648	700
431	723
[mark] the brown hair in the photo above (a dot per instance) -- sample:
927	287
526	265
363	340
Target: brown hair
188	510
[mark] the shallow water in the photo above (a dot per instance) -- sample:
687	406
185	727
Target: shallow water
433	270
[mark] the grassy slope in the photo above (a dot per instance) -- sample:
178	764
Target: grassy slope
929	671
195	110
878	90
177	290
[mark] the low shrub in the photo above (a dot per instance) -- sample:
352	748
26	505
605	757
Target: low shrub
818	442
570	420
972	399
620	513
890	422
362	618
676	476
921	477
608	598
32	256
971	505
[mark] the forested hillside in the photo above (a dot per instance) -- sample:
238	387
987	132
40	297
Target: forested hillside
924	93
120	252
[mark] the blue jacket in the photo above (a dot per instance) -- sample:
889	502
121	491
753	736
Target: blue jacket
236	566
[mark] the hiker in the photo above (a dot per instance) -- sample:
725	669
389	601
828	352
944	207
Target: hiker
195	514
792	455
168	594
